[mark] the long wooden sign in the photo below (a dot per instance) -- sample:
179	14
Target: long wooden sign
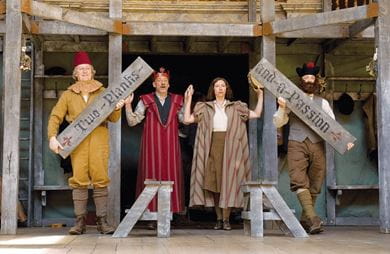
103	106
309	112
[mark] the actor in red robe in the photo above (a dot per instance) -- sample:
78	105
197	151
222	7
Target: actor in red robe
160	157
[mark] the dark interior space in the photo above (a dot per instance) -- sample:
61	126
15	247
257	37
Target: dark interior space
198	70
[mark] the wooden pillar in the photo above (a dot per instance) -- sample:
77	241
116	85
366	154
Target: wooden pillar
382	35
39	70
268	146
252	10
114	75
12	93
326	5
254	58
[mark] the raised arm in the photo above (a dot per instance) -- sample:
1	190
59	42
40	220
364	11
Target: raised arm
280	117
188	117
134	118
256	113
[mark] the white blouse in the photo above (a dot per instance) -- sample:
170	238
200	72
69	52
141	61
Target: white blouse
220	117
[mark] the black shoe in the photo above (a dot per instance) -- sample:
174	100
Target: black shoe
218	225
22	224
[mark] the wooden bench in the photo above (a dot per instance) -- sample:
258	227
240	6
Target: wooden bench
254	216
139	209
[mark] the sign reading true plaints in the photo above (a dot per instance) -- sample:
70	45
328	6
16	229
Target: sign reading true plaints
103	106
299	103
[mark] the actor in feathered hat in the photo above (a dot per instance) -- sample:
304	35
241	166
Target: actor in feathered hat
160	150
90	158
306	151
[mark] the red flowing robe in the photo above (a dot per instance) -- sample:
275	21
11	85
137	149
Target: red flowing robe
160	157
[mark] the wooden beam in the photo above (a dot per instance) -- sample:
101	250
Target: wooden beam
39	177
193	29
48	11
58	28
331	44
290	41
321	19
360	26
2	7
2	27
268	153
63	28
382	34
353	29
189	44
252	10
329	31
26	23
114	73
76	38
153	45
223	44
326	5
12	95
71	46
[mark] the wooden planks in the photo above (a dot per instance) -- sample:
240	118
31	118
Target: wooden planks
321	19
103	105
12	95
382	35
309	112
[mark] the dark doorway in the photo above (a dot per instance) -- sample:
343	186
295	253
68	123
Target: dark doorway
198	70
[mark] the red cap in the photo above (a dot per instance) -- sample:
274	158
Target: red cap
161	72
81	57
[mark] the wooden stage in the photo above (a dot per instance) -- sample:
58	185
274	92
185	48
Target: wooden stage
355	240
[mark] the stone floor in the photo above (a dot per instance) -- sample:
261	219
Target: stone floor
197	241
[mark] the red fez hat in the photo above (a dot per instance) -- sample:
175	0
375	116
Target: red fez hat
81	57
161	72
308	68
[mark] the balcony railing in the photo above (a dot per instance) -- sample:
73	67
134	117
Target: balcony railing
342	4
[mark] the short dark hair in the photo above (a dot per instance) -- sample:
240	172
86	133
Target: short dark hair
211	94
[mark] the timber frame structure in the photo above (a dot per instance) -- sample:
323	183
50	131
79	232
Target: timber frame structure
39	19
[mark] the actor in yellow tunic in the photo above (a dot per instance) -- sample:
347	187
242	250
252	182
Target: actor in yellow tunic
90	158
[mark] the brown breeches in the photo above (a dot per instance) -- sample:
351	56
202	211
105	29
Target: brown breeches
307	165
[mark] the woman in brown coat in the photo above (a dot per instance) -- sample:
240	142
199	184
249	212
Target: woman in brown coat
221	153
90	158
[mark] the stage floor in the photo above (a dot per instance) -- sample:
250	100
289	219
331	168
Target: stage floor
355	240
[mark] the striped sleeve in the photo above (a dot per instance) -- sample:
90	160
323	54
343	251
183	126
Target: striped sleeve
199	111
243	110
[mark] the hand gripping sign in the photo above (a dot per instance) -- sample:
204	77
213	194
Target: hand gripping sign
103	106
265	74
